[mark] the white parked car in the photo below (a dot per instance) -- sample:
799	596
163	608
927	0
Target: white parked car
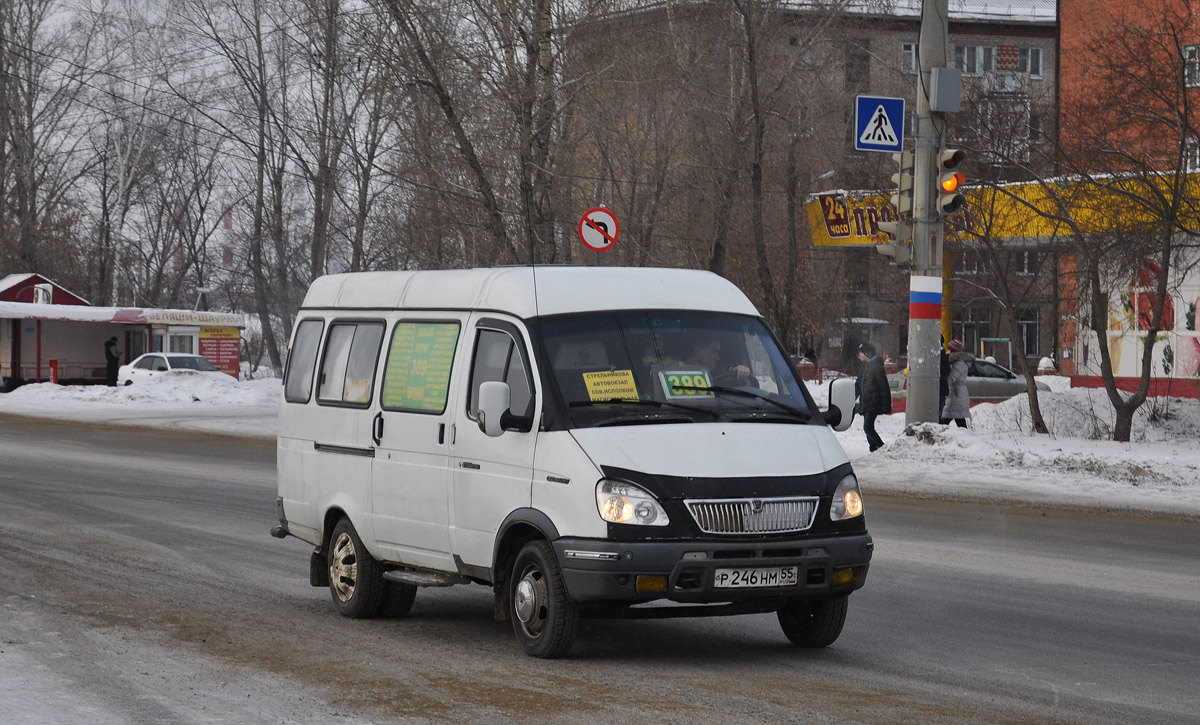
158	364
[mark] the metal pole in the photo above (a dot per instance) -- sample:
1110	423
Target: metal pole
925	282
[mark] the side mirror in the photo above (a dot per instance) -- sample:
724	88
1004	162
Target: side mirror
840	413
494	397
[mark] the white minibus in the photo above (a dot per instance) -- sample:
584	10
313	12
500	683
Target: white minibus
586	441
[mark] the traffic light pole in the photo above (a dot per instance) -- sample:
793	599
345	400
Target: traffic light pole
925	282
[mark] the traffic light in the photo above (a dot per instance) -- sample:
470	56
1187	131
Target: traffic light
950	181
902	200
900	251
900	231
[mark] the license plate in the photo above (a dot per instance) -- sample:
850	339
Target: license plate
770	576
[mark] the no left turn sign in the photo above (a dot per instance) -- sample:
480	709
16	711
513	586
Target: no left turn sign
598	229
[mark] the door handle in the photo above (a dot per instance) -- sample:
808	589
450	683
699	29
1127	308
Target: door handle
468	464
377	428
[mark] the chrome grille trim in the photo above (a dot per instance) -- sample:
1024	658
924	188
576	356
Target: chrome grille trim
753	515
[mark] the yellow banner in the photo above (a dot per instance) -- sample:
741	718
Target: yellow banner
838	219
1024	210
222	333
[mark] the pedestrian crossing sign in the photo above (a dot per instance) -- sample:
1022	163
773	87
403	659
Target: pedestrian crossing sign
879	124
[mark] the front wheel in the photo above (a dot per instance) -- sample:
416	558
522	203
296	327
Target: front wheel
544	618
813	623
355	577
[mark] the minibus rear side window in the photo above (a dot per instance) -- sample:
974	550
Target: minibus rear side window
348	368
302	361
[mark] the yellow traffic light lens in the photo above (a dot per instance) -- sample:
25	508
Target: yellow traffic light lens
951	182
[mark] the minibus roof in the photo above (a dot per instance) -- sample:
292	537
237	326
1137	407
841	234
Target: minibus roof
559	289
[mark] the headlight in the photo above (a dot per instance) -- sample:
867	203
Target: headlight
624	503
847	501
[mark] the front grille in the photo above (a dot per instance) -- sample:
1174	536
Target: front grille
753	515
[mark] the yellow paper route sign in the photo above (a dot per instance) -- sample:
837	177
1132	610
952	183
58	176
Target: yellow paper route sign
610	385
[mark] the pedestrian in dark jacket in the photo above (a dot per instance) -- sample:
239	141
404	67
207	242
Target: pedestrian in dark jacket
113	360
876	396
943	380
958	401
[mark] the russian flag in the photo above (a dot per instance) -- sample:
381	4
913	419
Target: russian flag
925	298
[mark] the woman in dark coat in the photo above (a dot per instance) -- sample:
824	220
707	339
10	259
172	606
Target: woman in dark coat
876	396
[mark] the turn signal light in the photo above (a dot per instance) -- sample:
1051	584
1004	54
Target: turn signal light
651	583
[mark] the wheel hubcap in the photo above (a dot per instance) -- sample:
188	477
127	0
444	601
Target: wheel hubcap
529	601
525	601
343	567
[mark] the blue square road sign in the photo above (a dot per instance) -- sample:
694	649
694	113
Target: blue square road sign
879	124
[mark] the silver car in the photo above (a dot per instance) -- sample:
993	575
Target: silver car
987	382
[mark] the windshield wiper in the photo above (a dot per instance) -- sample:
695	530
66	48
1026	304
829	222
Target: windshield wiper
640	402
798	412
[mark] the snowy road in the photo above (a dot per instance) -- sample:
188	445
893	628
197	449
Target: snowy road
139	585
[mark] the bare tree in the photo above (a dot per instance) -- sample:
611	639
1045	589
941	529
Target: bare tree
42	76
1000	128
1126	198
243	36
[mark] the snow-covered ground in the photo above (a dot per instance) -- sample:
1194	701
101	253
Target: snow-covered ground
996	458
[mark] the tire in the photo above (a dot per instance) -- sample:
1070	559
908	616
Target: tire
397	600
813	623
355	577
544	618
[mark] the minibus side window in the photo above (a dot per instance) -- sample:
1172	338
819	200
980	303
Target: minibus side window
499	357
349	365
416	376
302	361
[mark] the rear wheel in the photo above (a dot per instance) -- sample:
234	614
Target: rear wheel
397	599
813	623
355	577
544	618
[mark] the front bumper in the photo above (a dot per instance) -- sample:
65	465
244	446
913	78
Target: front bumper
598	570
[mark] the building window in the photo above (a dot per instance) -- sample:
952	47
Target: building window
1035	128
969	261
1027	263
975	60
972	326
910	61
801	58
1191	155
858	65
804	120
1001	125
1191	65
1029	60
1028	323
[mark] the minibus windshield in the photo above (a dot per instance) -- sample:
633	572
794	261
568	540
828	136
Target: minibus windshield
640	366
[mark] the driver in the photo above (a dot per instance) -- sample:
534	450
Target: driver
707	354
